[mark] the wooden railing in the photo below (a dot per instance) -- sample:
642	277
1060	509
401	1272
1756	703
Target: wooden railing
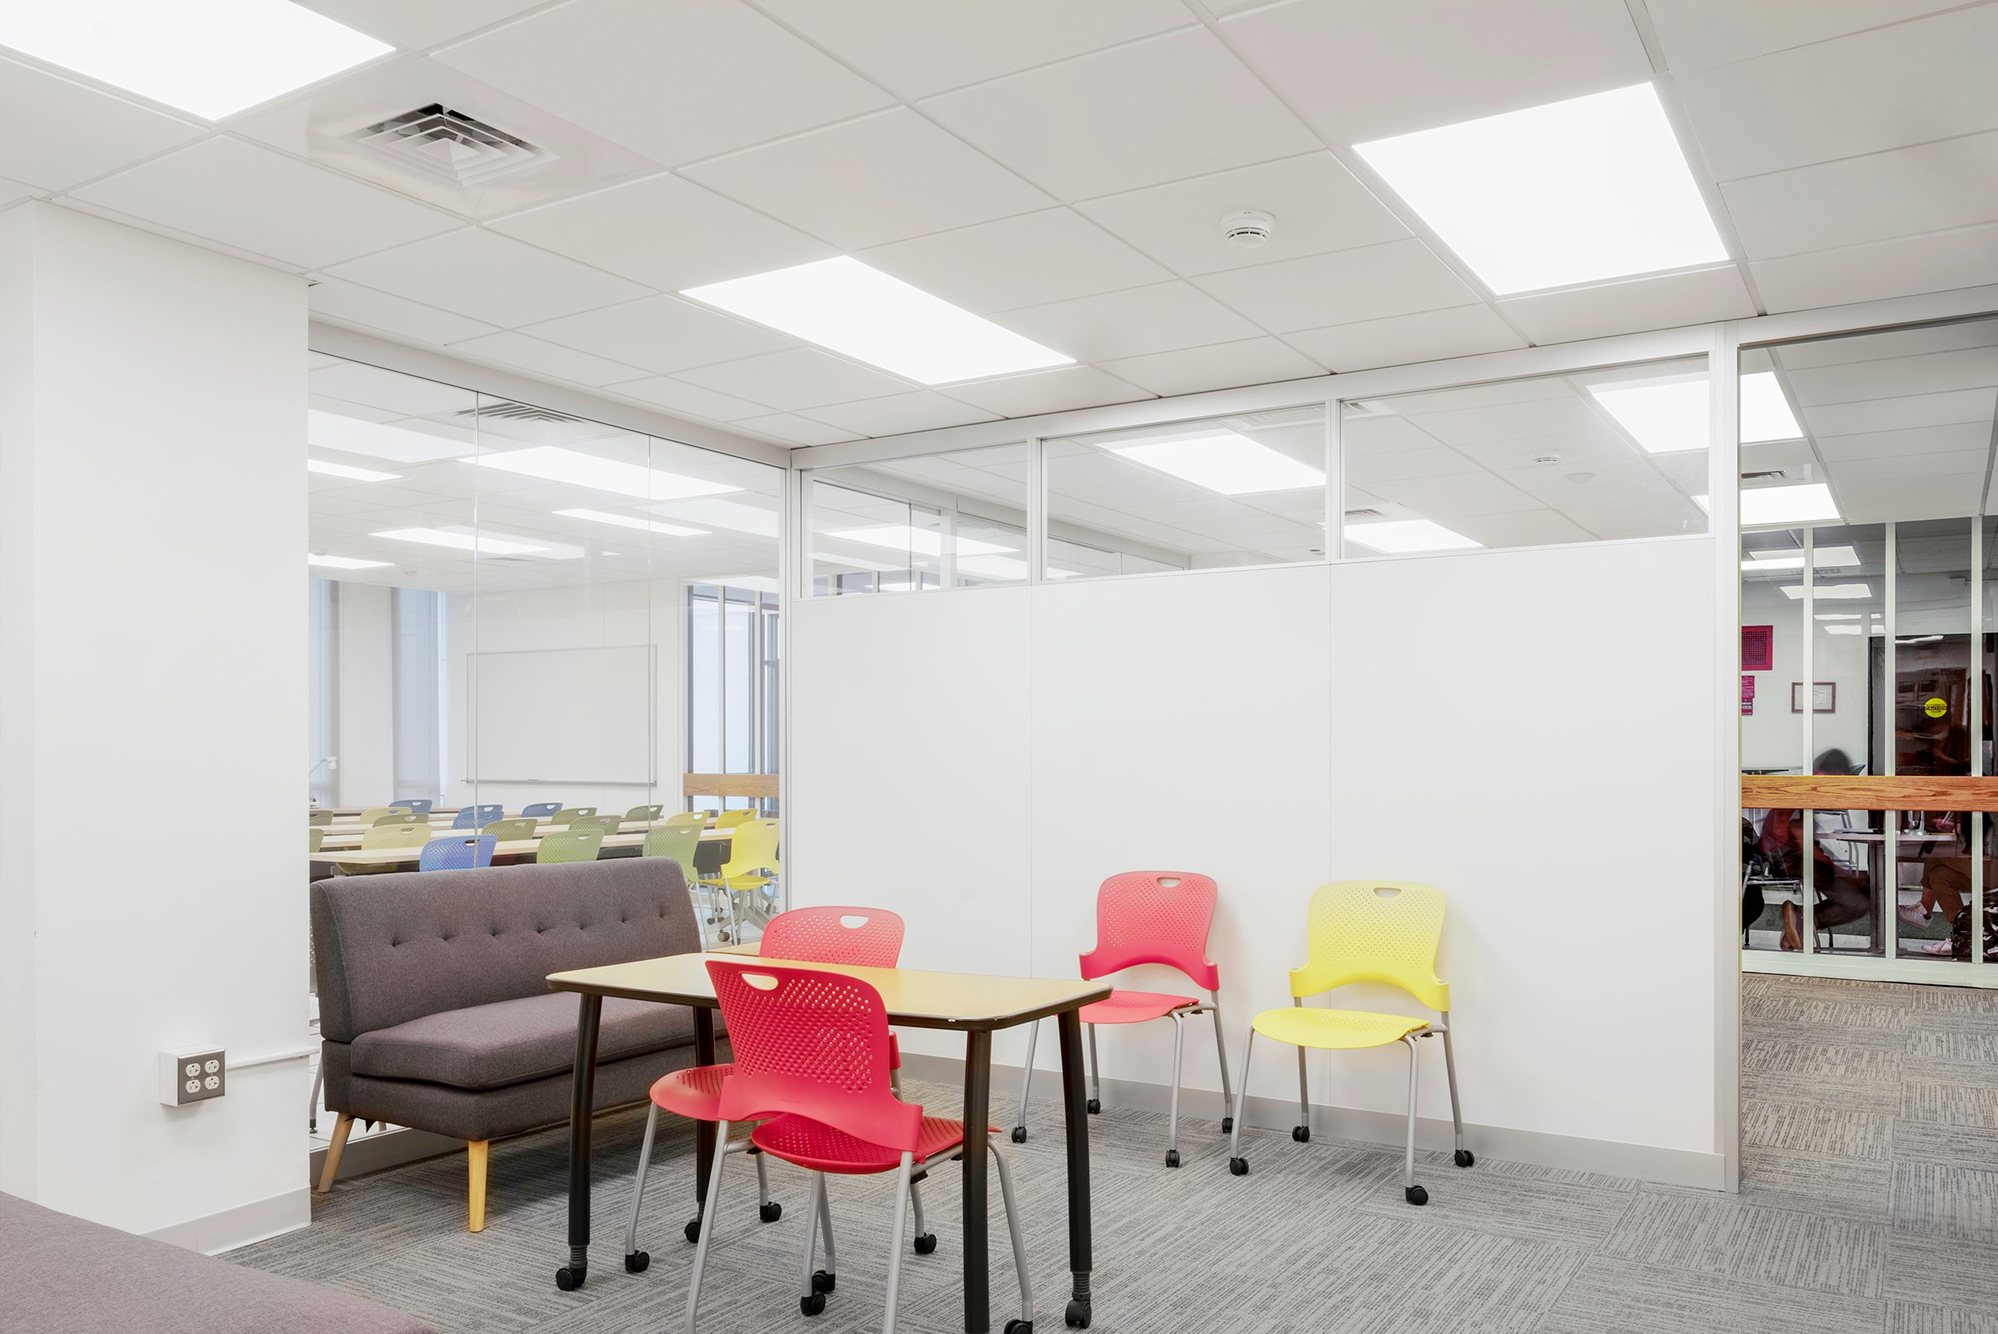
1827	792
729	785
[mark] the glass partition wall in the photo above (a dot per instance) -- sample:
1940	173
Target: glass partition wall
1867	649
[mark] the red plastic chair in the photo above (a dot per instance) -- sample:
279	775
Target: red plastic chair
863	937
811	1064
1148	917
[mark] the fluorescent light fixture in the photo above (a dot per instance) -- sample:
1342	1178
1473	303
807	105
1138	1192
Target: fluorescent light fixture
1399	537
1826	592
350	473
843	304
484	546
1666	416
1223	461
1919	639
1810	502
732	515
343	562
1570	192
1765	413
353	435
210	57
1840	616
1845	630
1821	559
627	521
554	464
917	541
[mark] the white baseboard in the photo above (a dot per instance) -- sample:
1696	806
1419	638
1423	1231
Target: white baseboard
211	1234
1670	1167
390	1148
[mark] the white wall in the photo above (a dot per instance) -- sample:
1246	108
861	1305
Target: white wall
152	520
1772	737
1530	730
367	695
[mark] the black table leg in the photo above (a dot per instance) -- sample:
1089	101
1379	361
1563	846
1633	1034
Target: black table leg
1074	1099
977	1116
582	1097
704	1131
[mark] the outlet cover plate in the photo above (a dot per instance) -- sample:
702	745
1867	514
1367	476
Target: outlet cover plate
193	1075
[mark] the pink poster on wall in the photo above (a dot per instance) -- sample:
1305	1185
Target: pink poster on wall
1747	693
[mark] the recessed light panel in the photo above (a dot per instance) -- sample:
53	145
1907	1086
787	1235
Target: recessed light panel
484	546
343	562
732	515
352	474
1223	461
844	305
1765	413
627	521
1808	503
1572	192
555	464
1821	592
1665	416
378	440
209	57
1401	537
1821	558
919	541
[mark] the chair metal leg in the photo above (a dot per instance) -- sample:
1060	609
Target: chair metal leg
707	1233
1301	1132
762	1189
825	1225
1095	1073
1221	1054
1463	1155
1414	1193
1026	1084
1013	1227
312	1103
1236	1162
1172	1116
817	1282
631	1260
895	1241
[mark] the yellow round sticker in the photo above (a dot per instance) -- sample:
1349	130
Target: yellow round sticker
1936	708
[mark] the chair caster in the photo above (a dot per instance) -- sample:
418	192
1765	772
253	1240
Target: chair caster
1019	1134
770	1212
1416	1195
926	1244
1019	1327
692	1231
1095	1105
1076	1315
1465	1157
813	1304
1302	1134
823	1282
1227	1125
636	1262
1172	1157
569	1277
1238	1167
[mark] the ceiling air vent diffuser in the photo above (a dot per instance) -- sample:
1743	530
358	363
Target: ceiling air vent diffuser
519	412
1368	513
1765	475
450	145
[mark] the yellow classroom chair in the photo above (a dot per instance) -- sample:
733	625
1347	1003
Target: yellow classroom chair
395	836
570	845
320	818
730	819
750	872
318	838
374	813
688	820
511	830
1363	931
400	817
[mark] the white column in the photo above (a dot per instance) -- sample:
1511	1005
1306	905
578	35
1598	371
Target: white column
367	696
152	681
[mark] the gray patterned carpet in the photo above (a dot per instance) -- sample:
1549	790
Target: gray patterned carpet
1870	1203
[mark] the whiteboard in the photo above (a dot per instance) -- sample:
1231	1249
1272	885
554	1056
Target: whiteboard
561	715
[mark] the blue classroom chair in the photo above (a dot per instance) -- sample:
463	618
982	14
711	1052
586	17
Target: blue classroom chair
421	805
540	808
478	817
457	854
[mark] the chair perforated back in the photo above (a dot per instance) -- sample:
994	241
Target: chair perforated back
668	841
863	937
644	812
570	814
1154	917
730	819
811	1043
510	830
400	817
570	845
688	820
752	847
374	813
421	805
1374	931
457	854
603	824
320	818
318	838
478	817
395	836
536	810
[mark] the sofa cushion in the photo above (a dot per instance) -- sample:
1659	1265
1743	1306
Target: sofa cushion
513	1041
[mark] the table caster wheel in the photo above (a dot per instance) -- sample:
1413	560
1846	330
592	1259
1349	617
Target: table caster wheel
1095	1105
636	1262
1416	1195
1227	1125
1172	1157
1019	1134
1076	1315
1238	1167
926	1244
1302	1134
823	1282
1465	1157
569	1278
692	1231
770	1212
813	1304
1017	1326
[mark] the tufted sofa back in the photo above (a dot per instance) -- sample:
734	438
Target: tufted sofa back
392	948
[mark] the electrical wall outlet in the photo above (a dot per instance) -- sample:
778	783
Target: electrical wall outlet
194	1075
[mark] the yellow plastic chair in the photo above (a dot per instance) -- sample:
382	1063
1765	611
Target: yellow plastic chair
511	830
688	820
749	873
730	819
395	836
603	824
570	845
320	818
400	817
318	838
1363	931
374	813
675	841
571	814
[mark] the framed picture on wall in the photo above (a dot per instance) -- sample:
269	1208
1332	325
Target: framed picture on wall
1758	647
1824	697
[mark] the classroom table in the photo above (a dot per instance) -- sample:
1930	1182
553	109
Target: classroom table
350	834
377	858
974	1005
1909	847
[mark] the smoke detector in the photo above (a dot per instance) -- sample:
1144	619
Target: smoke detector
1548	459
449	144
1248	227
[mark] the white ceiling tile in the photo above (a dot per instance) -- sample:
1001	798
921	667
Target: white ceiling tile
337	299
1938	262
802	378
662	333
1130	323
1882	344
915	49
1512	421
531	354
1156	110
1939	372
1430	335
1052	255
13	192
882	178
1191	370
1901	412
1362	435
1368	470
1577	450
795	430
415	26
1951	438
689	399
77	132
1960	463
1927	188
1318	206
1908	84
489	277
1662	302
1344	286
1698	34
898	414
1359	70
676	82
391	393
1528	528
1913	498
249	197
1455	494
665	232
1048	391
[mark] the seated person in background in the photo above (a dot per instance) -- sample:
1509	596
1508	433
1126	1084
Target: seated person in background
1946	881
1844	892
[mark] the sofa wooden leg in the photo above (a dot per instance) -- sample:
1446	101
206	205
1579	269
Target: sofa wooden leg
475	1162
331	1168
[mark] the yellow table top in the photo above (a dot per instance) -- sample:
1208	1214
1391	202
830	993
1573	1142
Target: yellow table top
517	847
349	835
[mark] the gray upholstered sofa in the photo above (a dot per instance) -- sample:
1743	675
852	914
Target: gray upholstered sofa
75	1277
434	1008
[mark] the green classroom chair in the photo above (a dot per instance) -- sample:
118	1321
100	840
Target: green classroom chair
571	814
320	818
688	820
645	812
570	845
603	824
395	836
399	817
374	813
318	838
511	830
